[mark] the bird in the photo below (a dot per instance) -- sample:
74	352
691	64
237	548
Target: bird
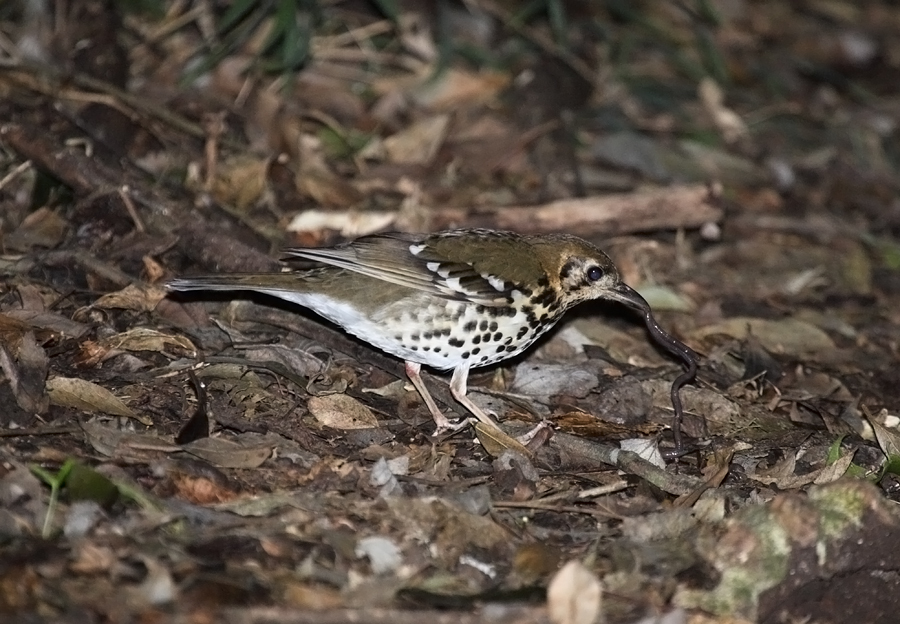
452	300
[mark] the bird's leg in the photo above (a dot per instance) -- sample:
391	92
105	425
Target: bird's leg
443	423
458	390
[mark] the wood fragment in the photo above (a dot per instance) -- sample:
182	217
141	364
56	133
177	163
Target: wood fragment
668	208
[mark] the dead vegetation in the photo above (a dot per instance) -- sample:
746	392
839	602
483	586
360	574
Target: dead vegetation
237	460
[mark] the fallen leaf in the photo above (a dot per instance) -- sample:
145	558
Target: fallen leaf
574	380
574	596
888	439
248	451
496	442
728	122
133	297
315	179
201	490
89	397
42	228
241	181
113	442
788	336
457	88
50	321
340	411
350	223
145	339
25	365
419	143
644	448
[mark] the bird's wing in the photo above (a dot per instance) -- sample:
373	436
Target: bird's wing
414	262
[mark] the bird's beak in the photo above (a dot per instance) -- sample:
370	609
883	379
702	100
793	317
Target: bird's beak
630	297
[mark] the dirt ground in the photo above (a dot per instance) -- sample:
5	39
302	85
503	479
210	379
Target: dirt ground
225	457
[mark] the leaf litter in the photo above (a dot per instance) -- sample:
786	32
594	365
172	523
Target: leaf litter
756	214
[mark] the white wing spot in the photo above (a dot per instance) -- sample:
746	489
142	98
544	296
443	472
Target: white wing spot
417	249
453	284
498	283
434	267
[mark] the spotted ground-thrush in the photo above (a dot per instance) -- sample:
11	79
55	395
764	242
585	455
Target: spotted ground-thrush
452	300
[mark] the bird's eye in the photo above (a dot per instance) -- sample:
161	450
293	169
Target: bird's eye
594	273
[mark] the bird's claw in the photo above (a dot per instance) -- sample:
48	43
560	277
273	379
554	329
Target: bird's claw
528	436
447	425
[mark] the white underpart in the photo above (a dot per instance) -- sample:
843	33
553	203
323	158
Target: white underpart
382	330
354	322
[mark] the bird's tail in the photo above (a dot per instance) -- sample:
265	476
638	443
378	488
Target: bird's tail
261	282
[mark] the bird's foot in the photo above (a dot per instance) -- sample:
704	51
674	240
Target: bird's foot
527	437
444	425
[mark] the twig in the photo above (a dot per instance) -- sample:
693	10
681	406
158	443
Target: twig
37	431
12	175
542	506
586	450
125	194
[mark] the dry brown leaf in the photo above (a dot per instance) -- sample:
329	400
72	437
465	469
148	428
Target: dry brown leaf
488	144
318	89
114	442
350	223
835	470
133	297
91	354
50	321
725	119
540	379
315	179
25	365
788	336
153	269
804	385
574	596
621	345
145	339
495	441
454	530
35	299
90	558
783	474
89	397
241	181
326	188
535	562
42	228
457	88
340	411
11	331
888	438
418	143
307	596
248	451
201	490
